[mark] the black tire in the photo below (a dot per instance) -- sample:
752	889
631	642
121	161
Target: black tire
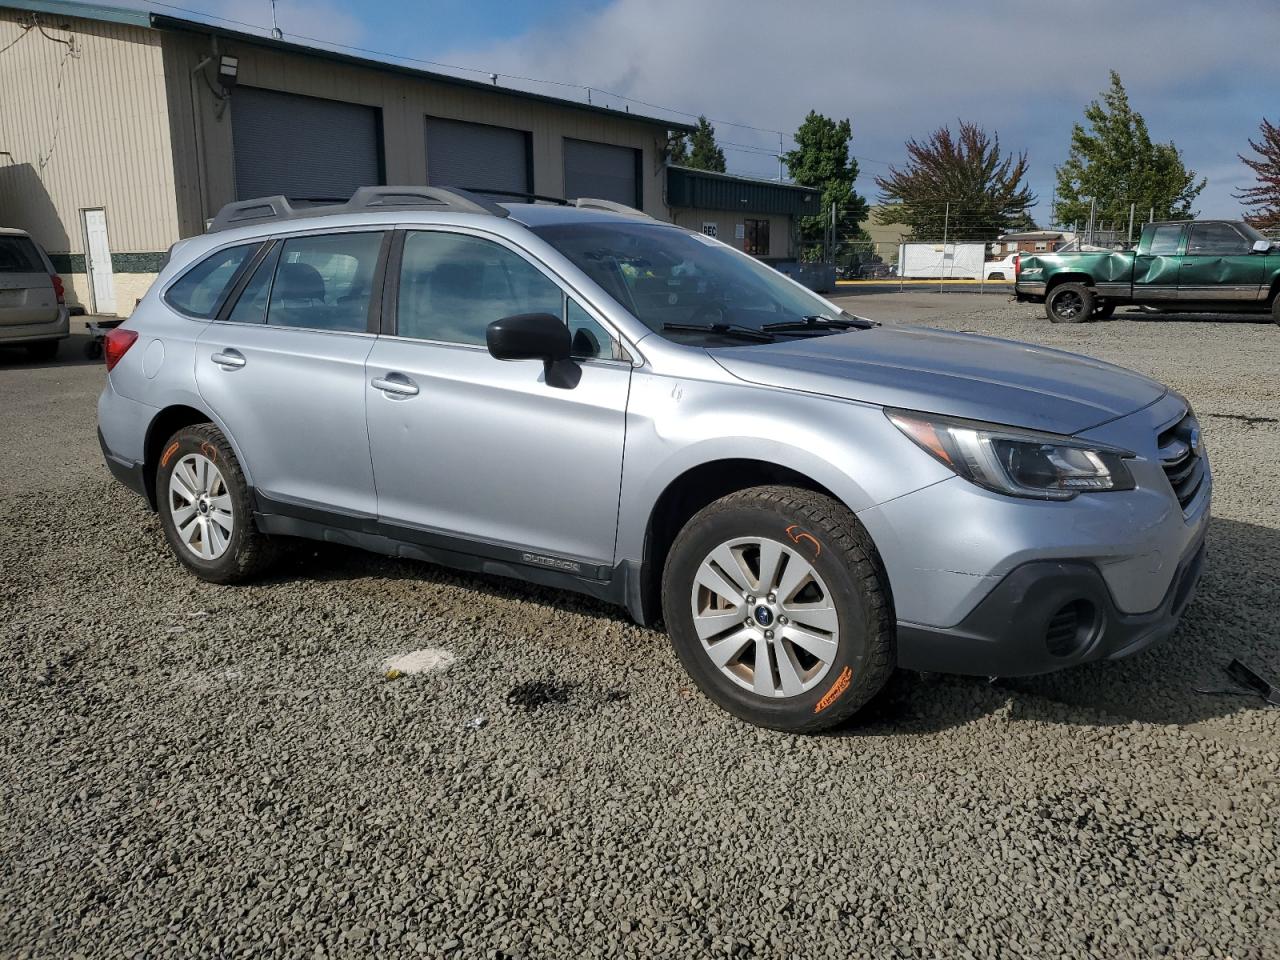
841	554
44	351
1069	303
1275	308
93	350
248	551
1103	310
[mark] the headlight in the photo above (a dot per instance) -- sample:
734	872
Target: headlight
1020	463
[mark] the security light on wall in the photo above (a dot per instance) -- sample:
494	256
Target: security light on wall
228	67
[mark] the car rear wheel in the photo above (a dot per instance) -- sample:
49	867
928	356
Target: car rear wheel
1069	303
1103	310
1275	308
205	508
778	610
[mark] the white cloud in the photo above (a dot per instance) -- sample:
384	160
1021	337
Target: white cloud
1200	73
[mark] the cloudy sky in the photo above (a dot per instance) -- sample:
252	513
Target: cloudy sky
1203	74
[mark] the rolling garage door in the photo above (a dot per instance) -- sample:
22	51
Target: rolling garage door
477	156
302	147
602	171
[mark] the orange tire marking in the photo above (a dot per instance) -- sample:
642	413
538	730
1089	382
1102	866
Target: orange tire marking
802	535
837	690
164	458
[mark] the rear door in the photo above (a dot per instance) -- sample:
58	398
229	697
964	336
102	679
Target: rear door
482	455
283	367
26	287
1157	262
1219	265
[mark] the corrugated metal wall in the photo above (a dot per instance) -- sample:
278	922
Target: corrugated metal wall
727	222
85	126
405	102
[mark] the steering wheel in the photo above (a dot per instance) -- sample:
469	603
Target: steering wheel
713	311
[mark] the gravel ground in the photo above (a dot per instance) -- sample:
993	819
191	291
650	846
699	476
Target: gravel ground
194	770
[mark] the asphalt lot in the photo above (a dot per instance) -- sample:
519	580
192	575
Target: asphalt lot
194	770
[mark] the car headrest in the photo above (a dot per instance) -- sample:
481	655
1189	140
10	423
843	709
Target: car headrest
299	281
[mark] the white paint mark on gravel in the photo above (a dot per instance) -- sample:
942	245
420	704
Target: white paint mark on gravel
426	660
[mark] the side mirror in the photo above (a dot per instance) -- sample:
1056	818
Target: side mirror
1262	246
529	336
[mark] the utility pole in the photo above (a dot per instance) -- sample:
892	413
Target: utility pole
779	158
946	223
1153	215
1129	241
1092	202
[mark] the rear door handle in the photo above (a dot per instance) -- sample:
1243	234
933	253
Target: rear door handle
395	383
229	359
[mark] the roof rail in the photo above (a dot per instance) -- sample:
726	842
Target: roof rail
521	195
590	203
262	209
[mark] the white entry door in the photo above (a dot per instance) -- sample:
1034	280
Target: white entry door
97	255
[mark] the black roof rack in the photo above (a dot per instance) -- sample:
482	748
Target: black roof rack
243	213
520	195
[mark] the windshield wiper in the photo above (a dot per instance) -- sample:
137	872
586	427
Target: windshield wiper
818	322
724	329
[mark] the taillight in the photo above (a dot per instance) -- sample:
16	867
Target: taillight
1017	265
58	289
116	344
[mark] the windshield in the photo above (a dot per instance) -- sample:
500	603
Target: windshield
667	277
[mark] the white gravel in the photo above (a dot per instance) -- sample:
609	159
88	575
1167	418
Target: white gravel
248	786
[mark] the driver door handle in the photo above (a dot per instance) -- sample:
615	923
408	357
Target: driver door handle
395	383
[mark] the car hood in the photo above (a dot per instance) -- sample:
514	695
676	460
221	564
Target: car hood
963	375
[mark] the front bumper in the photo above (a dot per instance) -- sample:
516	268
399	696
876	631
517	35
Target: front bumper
1005	635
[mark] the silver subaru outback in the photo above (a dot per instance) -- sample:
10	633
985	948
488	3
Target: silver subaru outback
583	397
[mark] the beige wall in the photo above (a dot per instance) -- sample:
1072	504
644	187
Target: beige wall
203	139
86	126
727	222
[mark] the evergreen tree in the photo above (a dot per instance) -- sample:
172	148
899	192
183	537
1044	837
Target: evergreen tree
1114	163
678	148
821	159
958	186
704	154
1264	197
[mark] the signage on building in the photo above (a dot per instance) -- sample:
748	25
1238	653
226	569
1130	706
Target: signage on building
711	228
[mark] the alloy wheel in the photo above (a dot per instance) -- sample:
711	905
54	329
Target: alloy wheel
766	618
200	505
1068	304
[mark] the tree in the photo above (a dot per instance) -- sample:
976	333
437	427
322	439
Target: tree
821	159
957	186
1264	197
698	150
1115	164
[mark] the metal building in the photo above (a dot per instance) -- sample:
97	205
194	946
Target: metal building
122	131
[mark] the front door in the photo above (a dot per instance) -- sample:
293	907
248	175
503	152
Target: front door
283	368
1155	265
1219	265
484	454
97	257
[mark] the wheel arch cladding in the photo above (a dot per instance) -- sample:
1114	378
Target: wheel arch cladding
702	485
1058	279
164	425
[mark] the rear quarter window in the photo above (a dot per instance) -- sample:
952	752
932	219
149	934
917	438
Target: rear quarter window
200	291
19	255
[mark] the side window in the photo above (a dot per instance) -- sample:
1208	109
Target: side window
199	291
452	286
1216	238
325	282
590	340
1164	242
251	307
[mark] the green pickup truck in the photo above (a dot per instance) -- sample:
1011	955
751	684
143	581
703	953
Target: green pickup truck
1214	266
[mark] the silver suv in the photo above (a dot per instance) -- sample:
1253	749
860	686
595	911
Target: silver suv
584	397
33	311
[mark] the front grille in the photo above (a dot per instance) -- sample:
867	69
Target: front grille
1181	459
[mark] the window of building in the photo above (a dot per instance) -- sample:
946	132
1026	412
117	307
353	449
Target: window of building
1221	239
199	292
1164	241
756	237
325	282
1041	246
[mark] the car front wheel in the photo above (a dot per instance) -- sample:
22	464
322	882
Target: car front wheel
205	507
778	610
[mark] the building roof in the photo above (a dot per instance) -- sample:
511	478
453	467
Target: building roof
711	190
157	21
